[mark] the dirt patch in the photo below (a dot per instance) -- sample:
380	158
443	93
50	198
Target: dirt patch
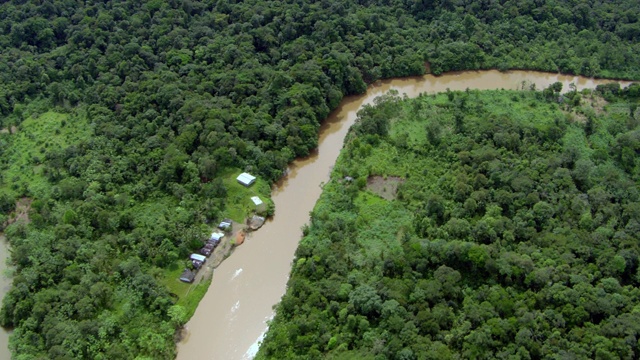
21	213
240	238
11	130
598	103
222	251
577	117
385	187
592	101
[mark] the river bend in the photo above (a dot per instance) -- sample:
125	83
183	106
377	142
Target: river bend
231	318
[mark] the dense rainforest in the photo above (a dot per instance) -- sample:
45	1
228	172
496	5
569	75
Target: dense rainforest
474	225
123	120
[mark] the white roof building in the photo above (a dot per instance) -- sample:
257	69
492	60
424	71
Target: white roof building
216	236
246	179
198	257
256	200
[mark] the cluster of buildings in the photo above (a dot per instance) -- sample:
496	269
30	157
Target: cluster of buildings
197	260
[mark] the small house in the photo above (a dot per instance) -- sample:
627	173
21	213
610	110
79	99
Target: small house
198	257
246	179
207	249
188	276
216	236
224	225
197	260
260	206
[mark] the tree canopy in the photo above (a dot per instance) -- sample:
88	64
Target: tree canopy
125	119
512	236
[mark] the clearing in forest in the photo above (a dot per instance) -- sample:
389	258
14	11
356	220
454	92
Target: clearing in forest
384	186
22	165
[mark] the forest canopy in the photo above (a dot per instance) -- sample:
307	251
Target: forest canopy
123	119
481	225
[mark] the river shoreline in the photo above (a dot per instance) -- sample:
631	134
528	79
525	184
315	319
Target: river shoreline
232	317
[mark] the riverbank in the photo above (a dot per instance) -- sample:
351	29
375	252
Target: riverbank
239	209
232	239
195	290
248	284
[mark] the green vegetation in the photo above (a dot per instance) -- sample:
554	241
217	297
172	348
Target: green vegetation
190	303
188	295
131	117
29	146
239	204
514	235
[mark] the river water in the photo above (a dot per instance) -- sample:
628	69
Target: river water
231	318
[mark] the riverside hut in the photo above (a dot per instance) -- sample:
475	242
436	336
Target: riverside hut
198	257
260	205
216	236
225	224
188	276
246	179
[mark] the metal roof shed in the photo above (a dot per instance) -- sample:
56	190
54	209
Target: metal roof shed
246	179
256	200
188	276
198	257
216	236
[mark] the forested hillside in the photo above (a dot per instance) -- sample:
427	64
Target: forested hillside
121	120
513	233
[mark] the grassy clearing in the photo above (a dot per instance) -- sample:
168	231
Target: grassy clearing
22	172
196	294
171	279
239	205
152	211
385	187
379	221
189	295
366	200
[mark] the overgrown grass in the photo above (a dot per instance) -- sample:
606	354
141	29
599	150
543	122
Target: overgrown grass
238	204
23	170
154	210
380	222
171	279
196	294
189	295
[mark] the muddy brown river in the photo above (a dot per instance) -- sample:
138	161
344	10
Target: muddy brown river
232	317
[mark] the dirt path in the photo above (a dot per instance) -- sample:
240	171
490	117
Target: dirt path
224	249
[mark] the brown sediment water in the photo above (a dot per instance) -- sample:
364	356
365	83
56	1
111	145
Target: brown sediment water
5	285
232	317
